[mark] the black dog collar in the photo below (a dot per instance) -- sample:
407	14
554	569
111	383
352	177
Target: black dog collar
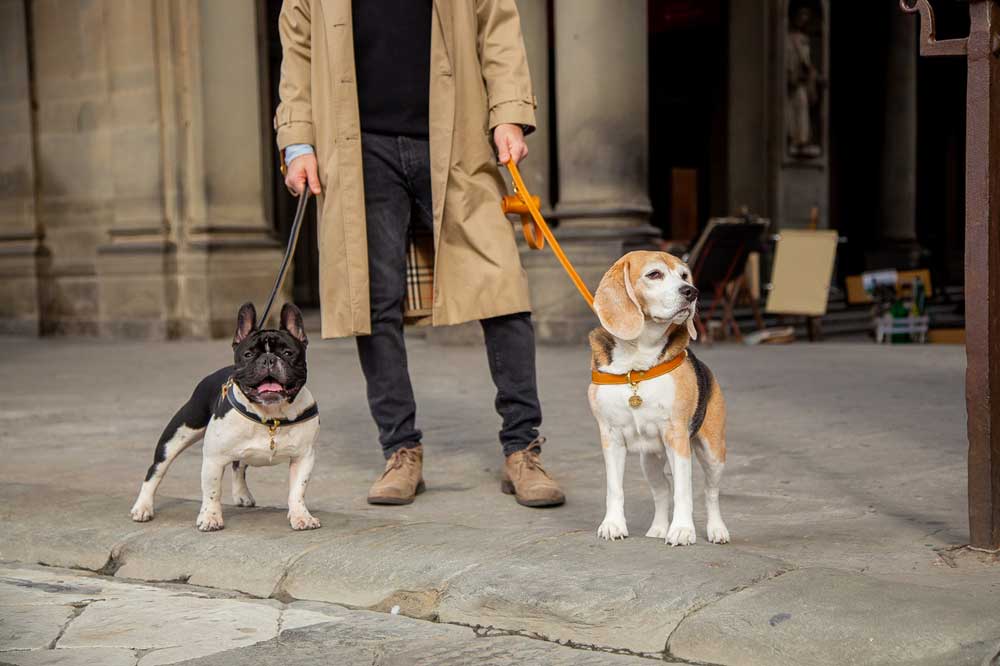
309	413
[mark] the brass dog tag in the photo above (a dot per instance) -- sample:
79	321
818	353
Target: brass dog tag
635	401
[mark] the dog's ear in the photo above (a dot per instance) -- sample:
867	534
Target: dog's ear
246	322
616	305
291	321
692	329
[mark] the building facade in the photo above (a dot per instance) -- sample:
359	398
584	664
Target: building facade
140	195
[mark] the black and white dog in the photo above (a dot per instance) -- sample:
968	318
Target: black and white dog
255	412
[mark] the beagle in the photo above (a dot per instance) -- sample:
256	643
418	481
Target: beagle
651	395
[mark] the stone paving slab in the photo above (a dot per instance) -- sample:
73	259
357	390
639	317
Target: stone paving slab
59	527
405	647
836	618
577	588
252	554
75	657
145	625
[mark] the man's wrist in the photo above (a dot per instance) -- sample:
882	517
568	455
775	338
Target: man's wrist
297	150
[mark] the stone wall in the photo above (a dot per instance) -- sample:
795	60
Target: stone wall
134	200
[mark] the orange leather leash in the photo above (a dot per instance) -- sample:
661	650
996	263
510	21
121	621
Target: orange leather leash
536	231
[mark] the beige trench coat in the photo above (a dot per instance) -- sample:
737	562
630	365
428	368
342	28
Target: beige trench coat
479	79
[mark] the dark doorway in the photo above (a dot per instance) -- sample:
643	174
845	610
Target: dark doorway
858	113
941	93
305	276
688	109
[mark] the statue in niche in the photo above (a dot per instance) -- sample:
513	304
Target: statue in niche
805	81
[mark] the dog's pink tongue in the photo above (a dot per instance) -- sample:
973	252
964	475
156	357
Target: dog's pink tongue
269	386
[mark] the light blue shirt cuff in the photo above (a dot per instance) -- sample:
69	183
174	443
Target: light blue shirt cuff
297	150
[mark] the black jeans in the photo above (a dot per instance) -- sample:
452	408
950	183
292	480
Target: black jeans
397	194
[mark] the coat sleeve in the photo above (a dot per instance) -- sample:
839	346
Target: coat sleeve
504	64
293	119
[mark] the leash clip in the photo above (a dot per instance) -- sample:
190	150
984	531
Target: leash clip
635	400
272	430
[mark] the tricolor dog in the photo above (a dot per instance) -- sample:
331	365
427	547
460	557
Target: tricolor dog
651	395
255	412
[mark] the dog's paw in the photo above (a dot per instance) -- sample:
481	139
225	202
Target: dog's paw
657	531
141	512
613	528
303	521
244	499
210	521
717	532
681	535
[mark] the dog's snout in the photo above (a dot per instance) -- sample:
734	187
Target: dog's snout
689	292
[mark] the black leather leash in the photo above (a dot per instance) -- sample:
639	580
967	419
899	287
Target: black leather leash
293	239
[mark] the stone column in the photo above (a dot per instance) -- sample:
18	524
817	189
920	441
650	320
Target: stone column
227	251
73	158
136	264
899	247
602	154
20	238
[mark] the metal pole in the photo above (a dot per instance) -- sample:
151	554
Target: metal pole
982	275
982	254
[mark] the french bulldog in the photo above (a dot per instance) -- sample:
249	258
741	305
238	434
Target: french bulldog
255	412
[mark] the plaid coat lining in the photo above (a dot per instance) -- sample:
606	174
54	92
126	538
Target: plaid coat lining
419	276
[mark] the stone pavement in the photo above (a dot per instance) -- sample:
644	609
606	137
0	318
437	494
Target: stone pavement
844	494
56	616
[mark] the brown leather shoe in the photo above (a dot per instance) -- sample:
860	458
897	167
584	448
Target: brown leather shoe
402	479
526	479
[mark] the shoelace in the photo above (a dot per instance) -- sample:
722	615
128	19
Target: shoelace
398	459
531	459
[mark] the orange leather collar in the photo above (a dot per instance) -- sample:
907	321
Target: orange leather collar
636	376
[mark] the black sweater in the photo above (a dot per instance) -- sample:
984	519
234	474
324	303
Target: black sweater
392	55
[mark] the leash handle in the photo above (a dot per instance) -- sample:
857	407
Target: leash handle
536	231
293	240
513	205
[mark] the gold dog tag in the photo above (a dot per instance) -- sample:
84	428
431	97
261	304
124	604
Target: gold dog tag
635	401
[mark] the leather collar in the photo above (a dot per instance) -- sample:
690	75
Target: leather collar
633	377
309	413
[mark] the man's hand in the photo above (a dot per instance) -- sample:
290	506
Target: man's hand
303	171
509	140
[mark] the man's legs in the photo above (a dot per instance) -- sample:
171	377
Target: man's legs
510	339
383	353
